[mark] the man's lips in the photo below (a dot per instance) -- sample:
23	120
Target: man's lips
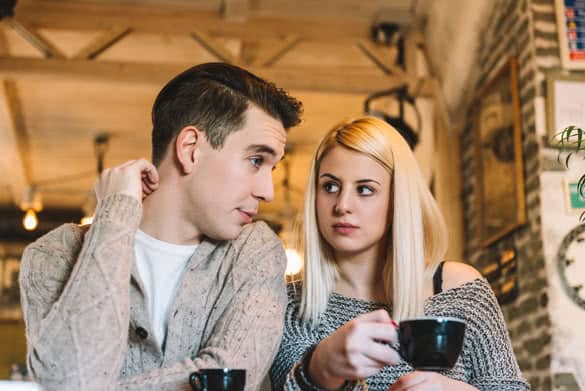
248	216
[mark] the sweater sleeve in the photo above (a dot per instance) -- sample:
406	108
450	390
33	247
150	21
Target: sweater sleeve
247	332
288	371
489	355
75	298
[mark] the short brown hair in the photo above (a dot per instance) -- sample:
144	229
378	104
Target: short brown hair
214	98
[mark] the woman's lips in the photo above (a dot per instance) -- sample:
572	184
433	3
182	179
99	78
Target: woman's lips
344	228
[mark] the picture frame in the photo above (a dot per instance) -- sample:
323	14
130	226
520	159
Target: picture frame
570	22
500	199
565	105
10	307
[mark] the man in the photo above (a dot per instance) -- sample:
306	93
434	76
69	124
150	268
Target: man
171	277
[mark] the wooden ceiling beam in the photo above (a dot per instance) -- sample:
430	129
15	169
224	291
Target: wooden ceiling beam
237	10
75	15
102	43
382	56
12	150
271	55
215	48
30	35
309	78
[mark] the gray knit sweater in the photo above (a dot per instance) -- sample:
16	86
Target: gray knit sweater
86	313
486	362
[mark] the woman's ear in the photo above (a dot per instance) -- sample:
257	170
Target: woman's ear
188	148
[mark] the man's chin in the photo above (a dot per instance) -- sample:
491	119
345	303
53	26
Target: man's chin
229	234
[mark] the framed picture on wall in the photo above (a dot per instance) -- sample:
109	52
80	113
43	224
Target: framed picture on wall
498	147
565	104
571	27
10	310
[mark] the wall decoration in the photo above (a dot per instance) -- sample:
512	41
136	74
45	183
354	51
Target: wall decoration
498	145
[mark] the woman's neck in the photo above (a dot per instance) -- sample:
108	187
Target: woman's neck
361	276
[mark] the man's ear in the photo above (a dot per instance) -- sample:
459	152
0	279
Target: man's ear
188	148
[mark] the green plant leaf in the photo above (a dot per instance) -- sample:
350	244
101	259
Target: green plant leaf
567	159
581	186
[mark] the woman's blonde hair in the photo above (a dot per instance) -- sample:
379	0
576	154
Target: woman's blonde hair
419	233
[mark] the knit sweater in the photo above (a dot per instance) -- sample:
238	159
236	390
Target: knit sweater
86	313
486	361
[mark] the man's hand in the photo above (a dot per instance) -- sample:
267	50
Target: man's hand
136	178
429	381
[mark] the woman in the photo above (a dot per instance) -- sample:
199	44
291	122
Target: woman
373	242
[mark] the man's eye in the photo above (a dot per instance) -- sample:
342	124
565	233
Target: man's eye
330	187
365	190
256	161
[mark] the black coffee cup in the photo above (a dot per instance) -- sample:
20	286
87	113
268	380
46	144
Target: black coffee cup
431	343
221	379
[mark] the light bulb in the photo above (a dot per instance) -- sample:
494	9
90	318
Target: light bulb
30	221
85	220
294	263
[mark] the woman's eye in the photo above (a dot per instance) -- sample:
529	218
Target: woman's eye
330	187
365	190
256	161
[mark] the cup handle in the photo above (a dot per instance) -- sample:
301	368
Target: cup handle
196	380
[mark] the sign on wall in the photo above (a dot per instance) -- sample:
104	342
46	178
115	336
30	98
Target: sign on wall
571	29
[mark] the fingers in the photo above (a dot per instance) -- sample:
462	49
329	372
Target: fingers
380	332
382	354
136	178
381	316
411	381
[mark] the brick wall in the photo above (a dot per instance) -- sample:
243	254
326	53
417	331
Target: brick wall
511	31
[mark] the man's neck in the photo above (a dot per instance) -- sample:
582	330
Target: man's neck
163	217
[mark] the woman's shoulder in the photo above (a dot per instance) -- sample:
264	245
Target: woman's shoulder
458	274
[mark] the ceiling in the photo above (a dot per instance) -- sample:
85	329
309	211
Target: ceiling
72	69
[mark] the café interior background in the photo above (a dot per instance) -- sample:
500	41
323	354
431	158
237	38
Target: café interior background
78	77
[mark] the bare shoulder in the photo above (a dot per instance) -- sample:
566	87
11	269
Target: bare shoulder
456	274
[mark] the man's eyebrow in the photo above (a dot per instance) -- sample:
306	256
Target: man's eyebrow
261	148
330	176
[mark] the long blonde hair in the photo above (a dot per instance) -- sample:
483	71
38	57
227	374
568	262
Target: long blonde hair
419	233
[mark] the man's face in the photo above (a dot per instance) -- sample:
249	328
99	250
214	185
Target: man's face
229	183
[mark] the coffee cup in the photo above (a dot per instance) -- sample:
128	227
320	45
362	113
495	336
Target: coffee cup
431	343
220	379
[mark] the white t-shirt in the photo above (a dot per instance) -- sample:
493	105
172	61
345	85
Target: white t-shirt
161	266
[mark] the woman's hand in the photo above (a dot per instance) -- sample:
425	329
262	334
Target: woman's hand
427	381
354	351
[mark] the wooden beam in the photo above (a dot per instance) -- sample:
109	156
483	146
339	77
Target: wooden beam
12	159
14	150
35	39
329	79
383	57
412	42
213	47
76	15
101	44
237	10
275	52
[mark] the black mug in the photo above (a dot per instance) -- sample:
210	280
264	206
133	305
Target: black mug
221	379
431	343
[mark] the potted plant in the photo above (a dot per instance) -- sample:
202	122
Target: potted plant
572	139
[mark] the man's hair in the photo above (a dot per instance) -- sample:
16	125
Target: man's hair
214	98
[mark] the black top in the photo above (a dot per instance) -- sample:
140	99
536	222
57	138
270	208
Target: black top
438	279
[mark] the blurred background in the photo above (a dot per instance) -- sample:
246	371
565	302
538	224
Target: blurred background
478	88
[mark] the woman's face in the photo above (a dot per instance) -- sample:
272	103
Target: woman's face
353	203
